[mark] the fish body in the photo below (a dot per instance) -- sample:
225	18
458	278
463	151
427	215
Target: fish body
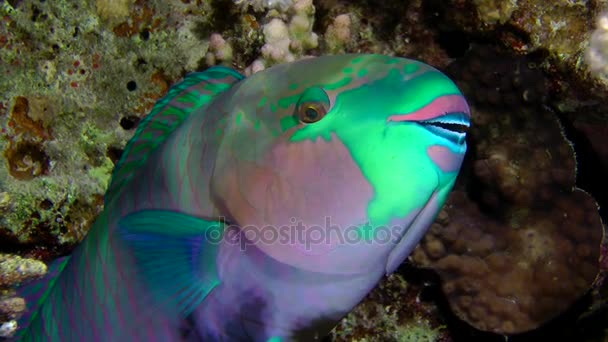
262	209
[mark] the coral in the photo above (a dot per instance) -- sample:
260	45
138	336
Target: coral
73	74
277	44
518	243
26	160
286	41
386	27
597	52
511	275
219	50
392	312
495	11
417	332
11	308
524	25
15	270
262	5
282	32
300	26
113	10
8	329
256	66
562	31
339	33
77	77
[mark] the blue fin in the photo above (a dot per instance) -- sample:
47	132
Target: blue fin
175	254
195	92
35	292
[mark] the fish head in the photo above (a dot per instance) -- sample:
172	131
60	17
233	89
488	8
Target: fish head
338	163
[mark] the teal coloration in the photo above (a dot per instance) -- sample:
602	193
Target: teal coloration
262	102
162	242
387	204
411	68
36	292
313	94
95	294
418	157
288	123
362	73
194	225
341	83
164	119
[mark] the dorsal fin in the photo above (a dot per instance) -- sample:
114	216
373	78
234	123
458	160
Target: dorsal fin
197	90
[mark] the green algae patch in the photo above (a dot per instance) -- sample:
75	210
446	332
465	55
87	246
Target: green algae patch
418	332
103	173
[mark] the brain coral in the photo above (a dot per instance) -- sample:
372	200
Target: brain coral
517	243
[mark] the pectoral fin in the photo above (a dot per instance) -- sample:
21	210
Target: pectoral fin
175	255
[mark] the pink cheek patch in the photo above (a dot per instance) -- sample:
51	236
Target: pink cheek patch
440	106
447	160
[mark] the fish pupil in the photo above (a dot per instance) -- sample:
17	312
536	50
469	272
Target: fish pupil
311	114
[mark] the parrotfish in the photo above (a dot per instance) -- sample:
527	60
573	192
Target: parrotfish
262	208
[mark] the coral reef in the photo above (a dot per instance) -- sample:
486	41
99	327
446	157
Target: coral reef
263	5
8	329
339	33
518	243
76	78
559	27
597	52
10	310
392	312
219	52
385	27
597	60
286	41
511	275
561	30
57	92
15	270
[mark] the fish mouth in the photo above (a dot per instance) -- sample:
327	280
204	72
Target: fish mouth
447	116
451	126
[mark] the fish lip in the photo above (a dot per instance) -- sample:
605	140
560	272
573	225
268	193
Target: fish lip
451	126
454	118
447	116
441	106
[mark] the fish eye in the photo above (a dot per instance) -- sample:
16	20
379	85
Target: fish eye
312	106
311	112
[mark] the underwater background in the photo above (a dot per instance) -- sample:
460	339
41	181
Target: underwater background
519	249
